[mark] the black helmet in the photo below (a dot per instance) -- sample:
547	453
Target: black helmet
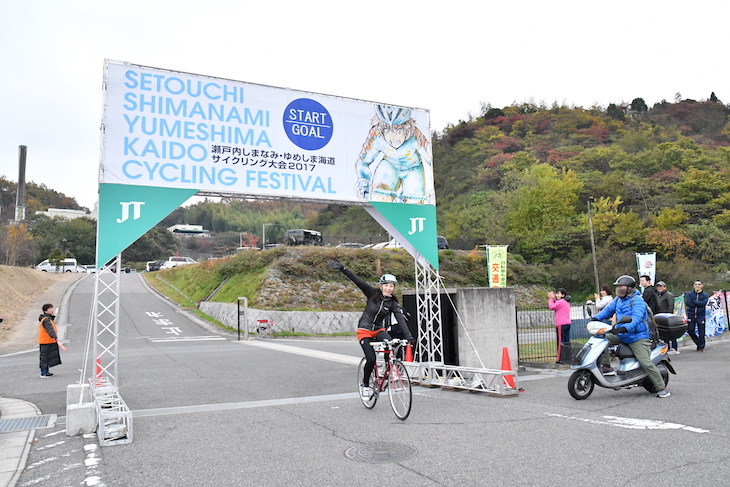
625	281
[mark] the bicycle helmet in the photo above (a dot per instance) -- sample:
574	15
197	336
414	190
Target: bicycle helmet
388	279
392	115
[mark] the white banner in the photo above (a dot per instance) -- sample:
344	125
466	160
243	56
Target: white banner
646	265
169	129
497	265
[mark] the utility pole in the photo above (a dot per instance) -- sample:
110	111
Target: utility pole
263	234
593	249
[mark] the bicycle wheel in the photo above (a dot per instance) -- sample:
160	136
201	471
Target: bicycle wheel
367	402
399	390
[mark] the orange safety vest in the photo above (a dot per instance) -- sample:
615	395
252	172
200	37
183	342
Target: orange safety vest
43	336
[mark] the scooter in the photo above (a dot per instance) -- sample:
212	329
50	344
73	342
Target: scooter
629	373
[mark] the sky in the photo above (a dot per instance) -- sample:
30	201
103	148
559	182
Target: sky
447	57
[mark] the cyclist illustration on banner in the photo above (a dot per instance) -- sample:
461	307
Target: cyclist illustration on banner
715	323
390	167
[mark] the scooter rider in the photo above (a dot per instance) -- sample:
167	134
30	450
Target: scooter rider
635	334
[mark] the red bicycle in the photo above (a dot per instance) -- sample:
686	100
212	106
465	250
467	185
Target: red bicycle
391	375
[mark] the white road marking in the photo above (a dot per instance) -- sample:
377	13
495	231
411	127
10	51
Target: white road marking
632	423
186	339
332	357
92	461
52	445
243	405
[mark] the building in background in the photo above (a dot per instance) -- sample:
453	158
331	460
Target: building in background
189	231
70	214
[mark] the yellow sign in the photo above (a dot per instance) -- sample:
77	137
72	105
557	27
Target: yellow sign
497	265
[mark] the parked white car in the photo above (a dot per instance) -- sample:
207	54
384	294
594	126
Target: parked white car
175	261
392	244
350	245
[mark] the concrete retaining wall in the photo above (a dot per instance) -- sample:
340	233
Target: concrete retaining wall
488	316
311	322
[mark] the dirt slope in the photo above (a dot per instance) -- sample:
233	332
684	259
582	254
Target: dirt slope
20	289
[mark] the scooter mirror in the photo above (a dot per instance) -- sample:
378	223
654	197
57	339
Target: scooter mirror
625	319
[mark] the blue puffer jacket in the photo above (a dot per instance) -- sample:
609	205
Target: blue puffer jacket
634	306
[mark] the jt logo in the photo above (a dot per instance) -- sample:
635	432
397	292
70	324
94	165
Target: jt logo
416	225
136	208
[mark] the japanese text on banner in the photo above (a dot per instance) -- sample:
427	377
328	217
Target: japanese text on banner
497	265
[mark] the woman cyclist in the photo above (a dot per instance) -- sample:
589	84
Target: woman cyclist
381	302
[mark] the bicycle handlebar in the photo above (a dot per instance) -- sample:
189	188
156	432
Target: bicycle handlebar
388	344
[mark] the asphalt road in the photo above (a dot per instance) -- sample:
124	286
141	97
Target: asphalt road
220	412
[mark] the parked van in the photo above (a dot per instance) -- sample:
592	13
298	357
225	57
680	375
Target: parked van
67	265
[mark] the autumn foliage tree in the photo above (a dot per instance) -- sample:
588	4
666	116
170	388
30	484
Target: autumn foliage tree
16	245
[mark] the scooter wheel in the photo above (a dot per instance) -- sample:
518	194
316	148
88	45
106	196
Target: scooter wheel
649	385
580	384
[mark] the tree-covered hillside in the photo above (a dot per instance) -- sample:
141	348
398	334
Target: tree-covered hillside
657	180
525	174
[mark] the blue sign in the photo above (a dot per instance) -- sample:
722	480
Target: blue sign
308	124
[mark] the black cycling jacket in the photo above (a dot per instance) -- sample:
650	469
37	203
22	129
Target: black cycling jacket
378	308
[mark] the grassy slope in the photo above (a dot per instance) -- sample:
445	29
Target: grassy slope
298	278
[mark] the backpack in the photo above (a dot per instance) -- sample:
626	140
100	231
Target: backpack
649	321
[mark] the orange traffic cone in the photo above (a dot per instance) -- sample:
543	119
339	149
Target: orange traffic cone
508	379
99	372
409	353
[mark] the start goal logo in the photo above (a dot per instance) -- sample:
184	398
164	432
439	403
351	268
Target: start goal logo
308	124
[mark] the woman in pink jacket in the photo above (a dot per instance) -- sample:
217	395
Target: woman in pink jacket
557	303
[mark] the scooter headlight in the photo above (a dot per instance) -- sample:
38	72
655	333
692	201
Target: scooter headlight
597	327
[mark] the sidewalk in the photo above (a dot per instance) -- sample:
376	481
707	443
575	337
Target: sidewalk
15	445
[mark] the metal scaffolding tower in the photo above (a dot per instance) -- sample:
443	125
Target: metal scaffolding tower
428	303
106	320
113	416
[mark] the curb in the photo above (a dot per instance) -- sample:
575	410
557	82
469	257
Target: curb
18	443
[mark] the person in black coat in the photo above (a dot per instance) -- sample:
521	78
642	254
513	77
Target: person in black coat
665	304
649	294
50	356
695	302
